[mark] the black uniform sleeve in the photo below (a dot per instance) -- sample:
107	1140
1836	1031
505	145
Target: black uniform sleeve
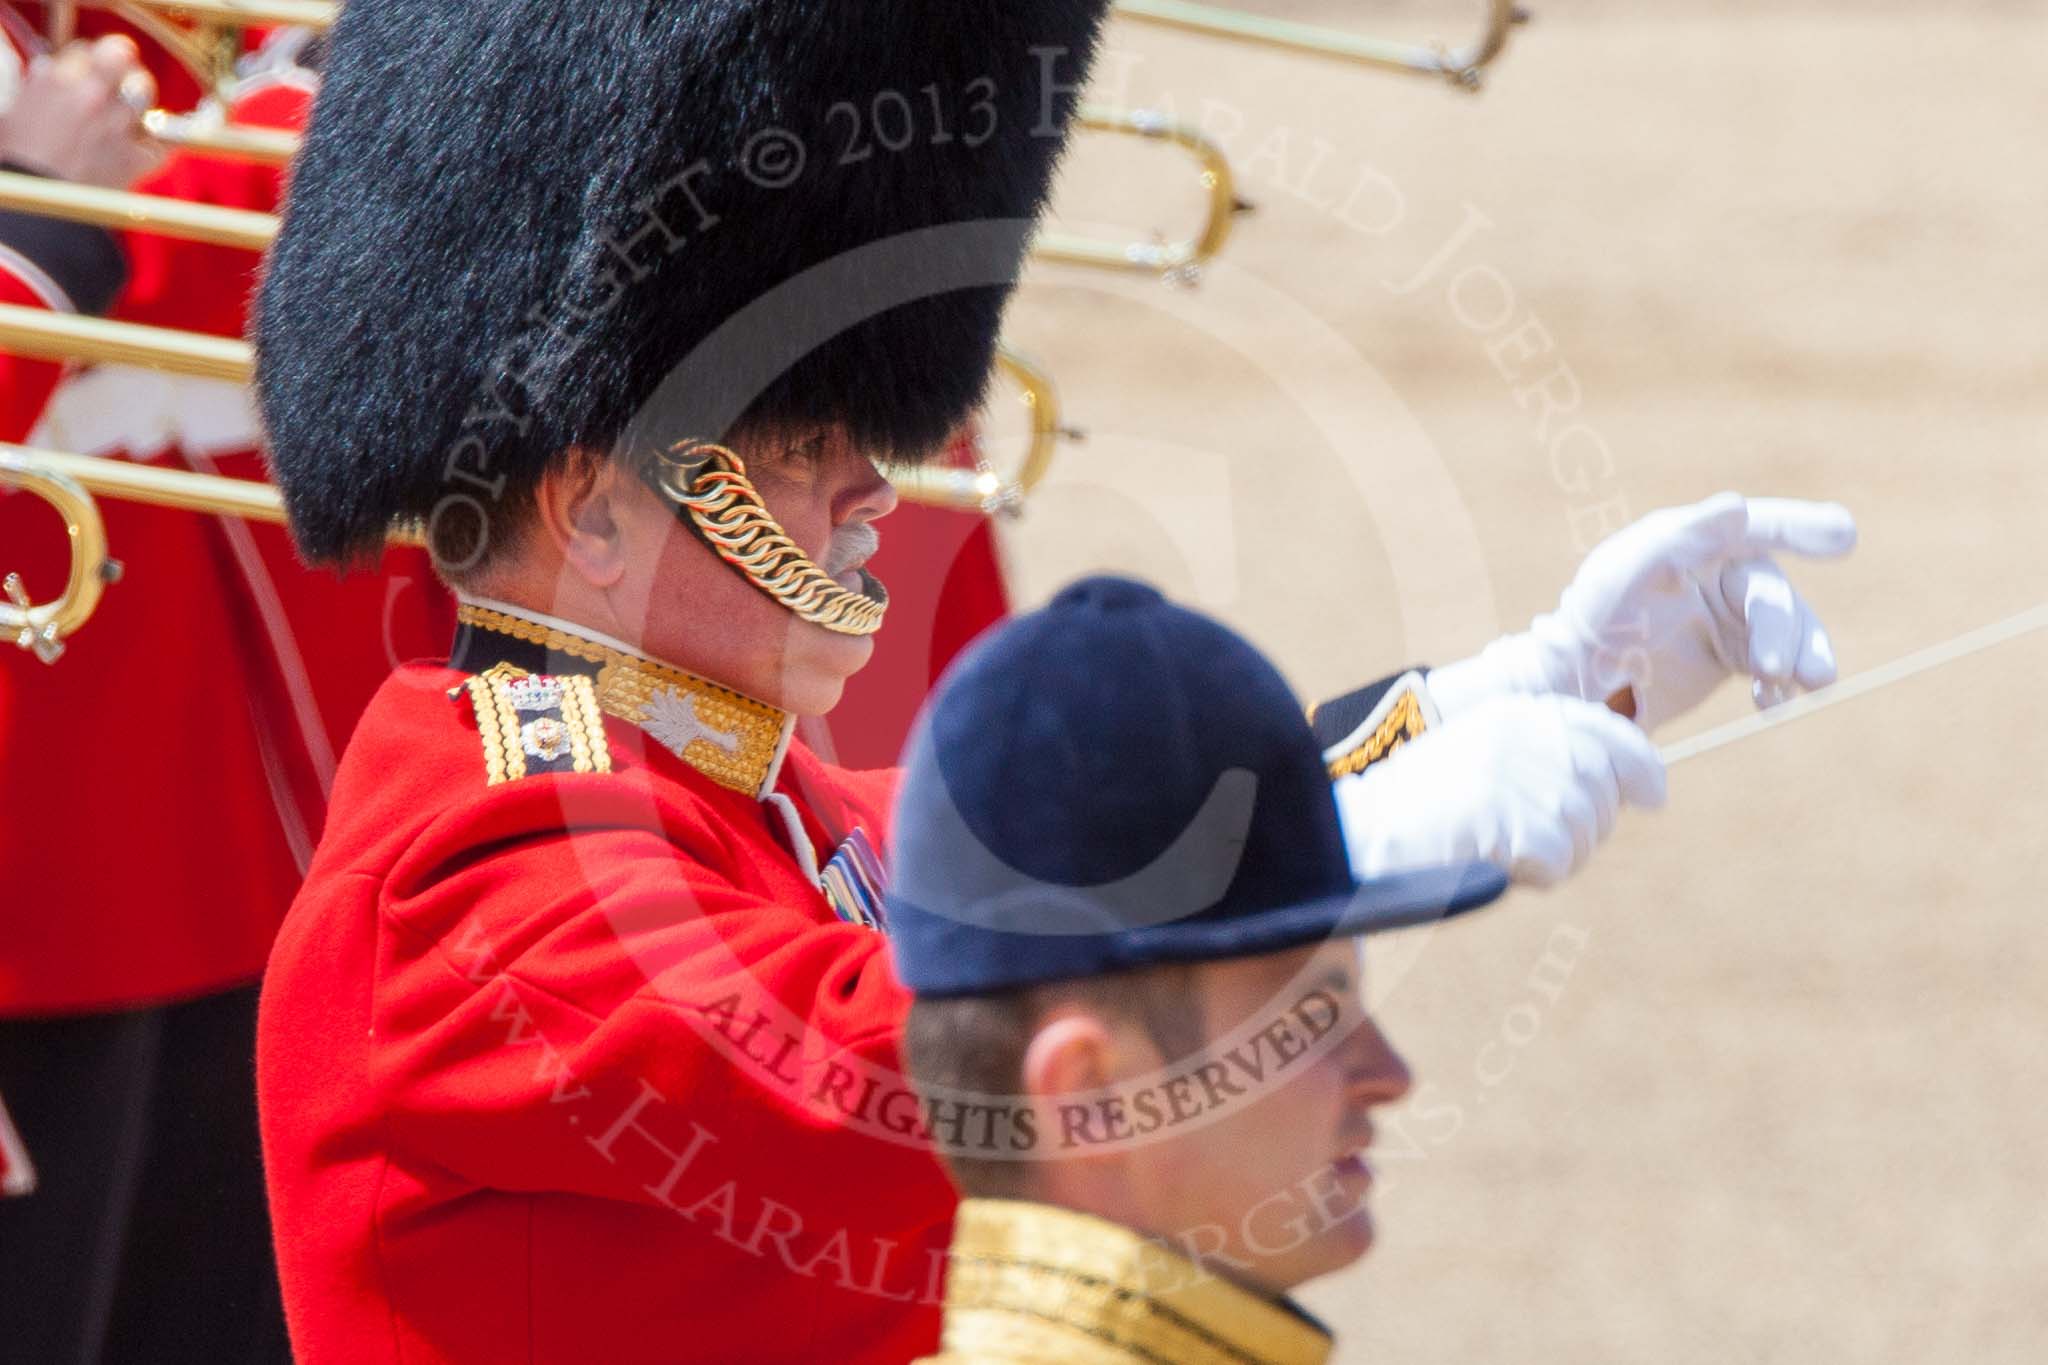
1360	728
83	261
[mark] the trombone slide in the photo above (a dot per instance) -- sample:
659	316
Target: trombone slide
209	223
239	13
1460	66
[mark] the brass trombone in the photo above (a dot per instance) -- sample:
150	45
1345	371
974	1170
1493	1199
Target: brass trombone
1460	66
982	489
1177	261
207	49
207	130
236	13
44	335
153	213
71	482
42	629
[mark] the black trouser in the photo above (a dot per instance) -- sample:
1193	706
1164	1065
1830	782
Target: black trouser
146	1239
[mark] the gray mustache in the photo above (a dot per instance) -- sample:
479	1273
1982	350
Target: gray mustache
851	545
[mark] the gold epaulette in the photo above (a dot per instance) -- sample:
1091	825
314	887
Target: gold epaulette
732	739
536	723
1404	713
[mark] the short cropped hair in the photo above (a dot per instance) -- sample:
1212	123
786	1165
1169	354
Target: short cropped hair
975	1045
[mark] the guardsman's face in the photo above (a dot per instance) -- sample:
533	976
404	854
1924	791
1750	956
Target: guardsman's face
703	616
1275	1189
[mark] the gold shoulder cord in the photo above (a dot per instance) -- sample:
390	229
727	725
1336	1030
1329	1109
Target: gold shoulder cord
710	483
1403	723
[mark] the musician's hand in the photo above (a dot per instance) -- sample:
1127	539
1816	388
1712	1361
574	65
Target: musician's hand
78	115
1664	611
1530	784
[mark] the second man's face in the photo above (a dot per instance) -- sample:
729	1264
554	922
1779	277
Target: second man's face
1273	1192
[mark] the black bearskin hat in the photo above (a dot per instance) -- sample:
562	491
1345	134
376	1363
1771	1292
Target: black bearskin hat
520	227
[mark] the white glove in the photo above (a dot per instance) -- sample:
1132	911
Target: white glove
1530	784
1670	607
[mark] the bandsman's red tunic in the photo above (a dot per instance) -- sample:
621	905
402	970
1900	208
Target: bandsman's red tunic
162	788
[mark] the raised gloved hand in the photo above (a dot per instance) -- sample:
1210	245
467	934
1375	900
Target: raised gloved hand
1667	609
1530	784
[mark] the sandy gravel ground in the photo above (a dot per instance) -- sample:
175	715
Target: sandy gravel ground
1778	1093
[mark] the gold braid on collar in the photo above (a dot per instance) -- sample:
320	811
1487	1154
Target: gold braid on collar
732	739
1028	1282
710	483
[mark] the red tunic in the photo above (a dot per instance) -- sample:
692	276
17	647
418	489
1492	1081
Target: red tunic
25	385
575	1067
162	787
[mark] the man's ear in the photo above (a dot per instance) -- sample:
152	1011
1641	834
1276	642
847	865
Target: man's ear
579	509
1070	1053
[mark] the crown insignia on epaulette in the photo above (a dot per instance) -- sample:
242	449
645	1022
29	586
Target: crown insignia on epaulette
535	692
564	735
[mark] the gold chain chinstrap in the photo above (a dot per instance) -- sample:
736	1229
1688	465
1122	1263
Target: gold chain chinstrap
710	483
